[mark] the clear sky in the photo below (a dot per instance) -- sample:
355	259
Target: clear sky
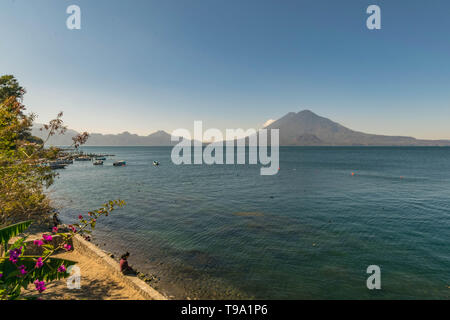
142	65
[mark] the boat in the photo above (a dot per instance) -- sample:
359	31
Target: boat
83	158
100	158
64	161
98	162
120	163
156	163
55	166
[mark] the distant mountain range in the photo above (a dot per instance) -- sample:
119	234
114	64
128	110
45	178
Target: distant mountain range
159	138
304	128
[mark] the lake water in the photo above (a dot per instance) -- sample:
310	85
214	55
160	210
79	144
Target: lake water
309	232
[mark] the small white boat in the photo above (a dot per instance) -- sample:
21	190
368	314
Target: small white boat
98	162
156	163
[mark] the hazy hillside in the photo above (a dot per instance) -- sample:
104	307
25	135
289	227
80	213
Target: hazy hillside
57	140
159	138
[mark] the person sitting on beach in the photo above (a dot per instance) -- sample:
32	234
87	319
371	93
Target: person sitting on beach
124	267
56	220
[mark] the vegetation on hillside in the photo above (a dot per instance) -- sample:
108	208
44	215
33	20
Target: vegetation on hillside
24	176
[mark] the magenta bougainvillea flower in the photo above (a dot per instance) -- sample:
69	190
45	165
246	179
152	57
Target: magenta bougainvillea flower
55	229
1	275
15	254
38	242
80	217
62	269
39	263
40	286
47	237
67	247
23	270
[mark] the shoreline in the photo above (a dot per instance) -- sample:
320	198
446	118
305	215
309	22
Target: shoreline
173	280
94	252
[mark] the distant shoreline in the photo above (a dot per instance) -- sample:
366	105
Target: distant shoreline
303	128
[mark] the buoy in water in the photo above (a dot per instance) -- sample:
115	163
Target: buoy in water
353	173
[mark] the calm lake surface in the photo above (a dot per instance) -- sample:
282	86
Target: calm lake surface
309	232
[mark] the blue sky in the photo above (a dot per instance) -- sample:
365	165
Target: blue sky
145	65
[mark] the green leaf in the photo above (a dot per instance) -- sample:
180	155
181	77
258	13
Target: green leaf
19	243
48	272
13	230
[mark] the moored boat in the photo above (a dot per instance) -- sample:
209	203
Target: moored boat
64	161
98	162
120	163
55	166
83	158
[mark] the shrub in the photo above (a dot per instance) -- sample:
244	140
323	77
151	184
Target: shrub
18	270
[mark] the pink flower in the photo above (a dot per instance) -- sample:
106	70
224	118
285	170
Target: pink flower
39	263
62	269
23	270
55	229
80	217
14	255
38	243
73	228
47	237
1	275
40	286
67	247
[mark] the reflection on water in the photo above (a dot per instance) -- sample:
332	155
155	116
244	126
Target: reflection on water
308	232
